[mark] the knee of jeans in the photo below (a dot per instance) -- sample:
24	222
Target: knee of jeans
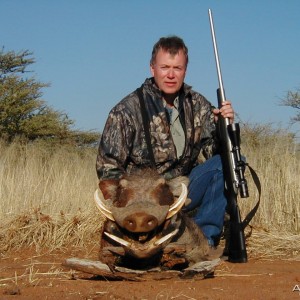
211	164
218	162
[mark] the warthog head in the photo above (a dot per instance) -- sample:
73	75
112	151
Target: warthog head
142	211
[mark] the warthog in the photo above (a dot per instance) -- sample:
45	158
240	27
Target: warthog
145	226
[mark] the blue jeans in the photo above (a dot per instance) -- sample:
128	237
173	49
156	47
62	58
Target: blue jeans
206	190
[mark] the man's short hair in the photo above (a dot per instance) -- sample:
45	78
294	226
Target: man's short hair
172	44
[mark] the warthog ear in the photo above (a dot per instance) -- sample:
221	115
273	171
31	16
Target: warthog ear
109	188
175	184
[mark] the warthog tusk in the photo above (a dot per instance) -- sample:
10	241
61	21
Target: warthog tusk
166	237
175	207
118	240
156	243
102	207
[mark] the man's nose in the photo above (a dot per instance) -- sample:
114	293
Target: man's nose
171	73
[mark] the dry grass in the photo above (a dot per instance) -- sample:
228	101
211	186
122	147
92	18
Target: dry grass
269	245
55	179
274	155
46	195
50	232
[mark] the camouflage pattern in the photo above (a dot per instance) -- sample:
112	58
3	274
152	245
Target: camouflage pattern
123	146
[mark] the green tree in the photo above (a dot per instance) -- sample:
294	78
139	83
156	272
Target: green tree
11	62
23	113
292	99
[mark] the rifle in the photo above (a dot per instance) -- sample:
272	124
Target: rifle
233	169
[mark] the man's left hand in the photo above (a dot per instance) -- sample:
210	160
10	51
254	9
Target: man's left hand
226	111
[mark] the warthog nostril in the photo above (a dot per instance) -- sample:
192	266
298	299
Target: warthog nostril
130	224
140	222
150	222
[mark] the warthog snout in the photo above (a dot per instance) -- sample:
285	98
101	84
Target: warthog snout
140	222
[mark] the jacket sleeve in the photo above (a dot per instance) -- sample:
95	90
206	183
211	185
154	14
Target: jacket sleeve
115	144
209	141
206	142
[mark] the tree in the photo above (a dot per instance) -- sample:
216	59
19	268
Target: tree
11	62
292	99
23	113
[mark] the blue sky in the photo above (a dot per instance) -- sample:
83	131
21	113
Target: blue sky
95	52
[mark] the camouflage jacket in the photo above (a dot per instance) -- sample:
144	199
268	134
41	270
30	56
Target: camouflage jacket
123	145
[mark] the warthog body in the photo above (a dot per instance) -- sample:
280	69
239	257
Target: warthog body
145	226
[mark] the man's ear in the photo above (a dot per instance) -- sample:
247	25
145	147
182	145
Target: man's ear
152	69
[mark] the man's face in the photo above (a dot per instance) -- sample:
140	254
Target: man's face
169	71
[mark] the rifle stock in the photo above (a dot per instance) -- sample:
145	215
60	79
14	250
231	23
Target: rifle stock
233	169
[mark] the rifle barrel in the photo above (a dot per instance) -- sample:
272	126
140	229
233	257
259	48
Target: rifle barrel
222	92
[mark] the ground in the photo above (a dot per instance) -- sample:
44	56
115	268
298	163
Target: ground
25	274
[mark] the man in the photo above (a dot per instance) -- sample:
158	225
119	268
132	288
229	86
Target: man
181	125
